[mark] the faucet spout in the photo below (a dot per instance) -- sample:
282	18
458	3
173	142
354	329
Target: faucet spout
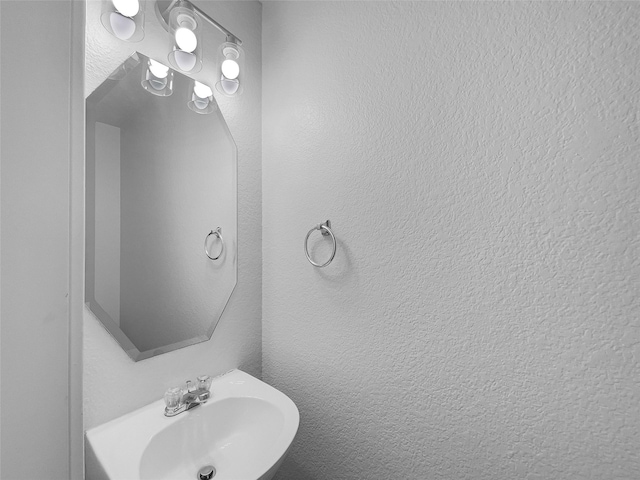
178	401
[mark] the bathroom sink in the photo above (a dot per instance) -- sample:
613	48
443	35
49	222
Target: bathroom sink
244	432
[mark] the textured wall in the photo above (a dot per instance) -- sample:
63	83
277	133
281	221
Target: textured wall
479	162
113	384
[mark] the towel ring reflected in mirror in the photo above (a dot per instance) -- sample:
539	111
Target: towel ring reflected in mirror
325	229
218	233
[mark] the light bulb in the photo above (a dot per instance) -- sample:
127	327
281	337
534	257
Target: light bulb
128	8
186	39
158	69
202	90
230	69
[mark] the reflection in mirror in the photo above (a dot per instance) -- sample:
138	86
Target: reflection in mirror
160	179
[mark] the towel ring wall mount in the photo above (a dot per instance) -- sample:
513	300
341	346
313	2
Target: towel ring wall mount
218	233
325	229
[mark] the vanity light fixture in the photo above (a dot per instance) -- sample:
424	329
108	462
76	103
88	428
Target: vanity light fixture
186	53
124	19
231	56
157	79
202	100
184	21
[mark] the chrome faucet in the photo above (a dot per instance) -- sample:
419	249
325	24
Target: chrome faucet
178	400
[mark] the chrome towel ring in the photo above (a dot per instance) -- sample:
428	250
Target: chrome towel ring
325	229
218	233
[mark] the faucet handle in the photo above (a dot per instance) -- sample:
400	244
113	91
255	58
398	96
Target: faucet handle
189	387
204	382
172	397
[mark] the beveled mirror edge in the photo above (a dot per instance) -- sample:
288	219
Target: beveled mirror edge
133	352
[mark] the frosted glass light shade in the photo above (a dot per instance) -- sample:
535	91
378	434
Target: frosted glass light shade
122	27
202	101
229	87
186	48
124	19
231	67
185	61
157	79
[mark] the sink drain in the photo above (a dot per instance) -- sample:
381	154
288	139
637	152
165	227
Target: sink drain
205	473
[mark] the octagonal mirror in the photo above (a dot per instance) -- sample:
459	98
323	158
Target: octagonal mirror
161	211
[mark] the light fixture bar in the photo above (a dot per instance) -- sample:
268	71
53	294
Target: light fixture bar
230	36
233	38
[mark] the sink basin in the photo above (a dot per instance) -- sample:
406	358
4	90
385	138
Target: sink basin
244	431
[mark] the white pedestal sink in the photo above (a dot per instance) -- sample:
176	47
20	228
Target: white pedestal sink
244	431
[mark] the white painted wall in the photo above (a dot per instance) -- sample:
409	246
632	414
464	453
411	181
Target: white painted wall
38	387
479	163
114	384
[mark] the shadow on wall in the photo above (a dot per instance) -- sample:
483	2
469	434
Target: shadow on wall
343	270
